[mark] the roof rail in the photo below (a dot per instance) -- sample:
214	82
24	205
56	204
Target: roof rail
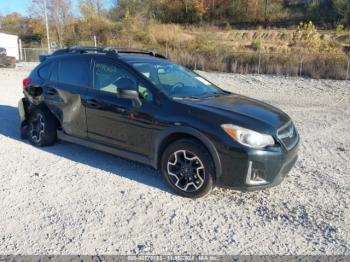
106	50
139	51
82	50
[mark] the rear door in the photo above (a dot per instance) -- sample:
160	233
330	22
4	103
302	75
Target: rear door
66	92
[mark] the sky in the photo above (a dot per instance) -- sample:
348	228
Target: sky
9	6
21	6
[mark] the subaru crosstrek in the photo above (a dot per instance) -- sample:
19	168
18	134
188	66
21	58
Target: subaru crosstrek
138	105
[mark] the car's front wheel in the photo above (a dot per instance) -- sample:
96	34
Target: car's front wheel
42	128
188	168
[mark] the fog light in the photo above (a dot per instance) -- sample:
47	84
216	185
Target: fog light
255	174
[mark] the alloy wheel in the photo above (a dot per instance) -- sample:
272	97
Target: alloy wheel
186	170
37	128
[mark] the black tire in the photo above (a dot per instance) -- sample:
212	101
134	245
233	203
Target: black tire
24	132
42	128
184	182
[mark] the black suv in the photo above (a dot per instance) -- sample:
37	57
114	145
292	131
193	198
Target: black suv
138	105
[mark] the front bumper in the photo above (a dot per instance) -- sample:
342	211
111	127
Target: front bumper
241	165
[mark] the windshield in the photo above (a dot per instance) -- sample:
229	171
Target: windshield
177	81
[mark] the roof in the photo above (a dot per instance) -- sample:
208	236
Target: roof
8	35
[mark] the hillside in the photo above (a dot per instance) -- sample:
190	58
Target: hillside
303	51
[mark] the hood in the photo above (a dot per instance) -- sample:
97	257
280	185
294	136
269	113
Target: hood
244	111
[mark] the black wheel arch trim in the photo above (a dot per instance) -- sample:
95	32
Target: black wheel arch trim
25	108
22	111
192	133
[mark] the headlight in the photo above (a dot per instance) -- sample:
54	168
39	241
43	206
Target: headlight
248	137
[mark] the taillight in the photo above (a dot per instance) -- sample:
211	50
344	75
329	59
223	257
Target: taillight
26	82
13	61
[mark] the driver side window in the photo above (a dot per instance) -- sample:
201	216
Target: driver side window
108	75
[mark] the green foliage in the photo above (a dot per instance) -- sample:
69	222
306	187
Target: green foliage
180	11
339	30
257	44
11	23
93	23
198	33
307	37
151	23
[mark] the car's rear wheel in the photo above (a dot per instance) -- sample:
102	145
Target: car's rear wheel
188	168
42	128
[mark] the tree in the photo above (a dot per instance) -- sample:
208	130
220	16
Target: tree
96	5
12	23
272	10
33	31
199	9
140	8
307	37
181	11
59	13
342	8
252	9
321	11
92	23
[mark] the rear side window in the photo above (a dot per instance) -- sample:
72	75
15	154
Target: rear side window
75	71
44	71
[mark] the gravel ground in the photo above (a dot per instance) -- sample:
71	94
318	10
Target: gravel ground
68	199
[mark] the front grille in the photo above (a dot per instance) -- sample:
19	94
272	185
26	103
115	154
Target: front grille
288	135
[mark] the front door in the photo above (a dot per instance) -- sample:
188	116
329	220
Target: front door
113	120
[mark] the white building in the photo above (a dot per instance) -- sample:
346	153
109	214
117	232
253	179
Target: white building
10	43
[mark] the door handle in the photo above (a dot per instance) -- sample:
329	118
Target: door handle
92	103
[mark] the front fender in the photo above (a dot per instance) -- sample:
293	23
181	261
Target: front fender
161	137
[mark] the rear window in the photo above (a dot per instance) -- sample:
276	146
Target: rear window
75	71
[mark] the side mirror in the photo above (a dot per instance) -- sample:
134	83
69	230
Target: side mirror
127	90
